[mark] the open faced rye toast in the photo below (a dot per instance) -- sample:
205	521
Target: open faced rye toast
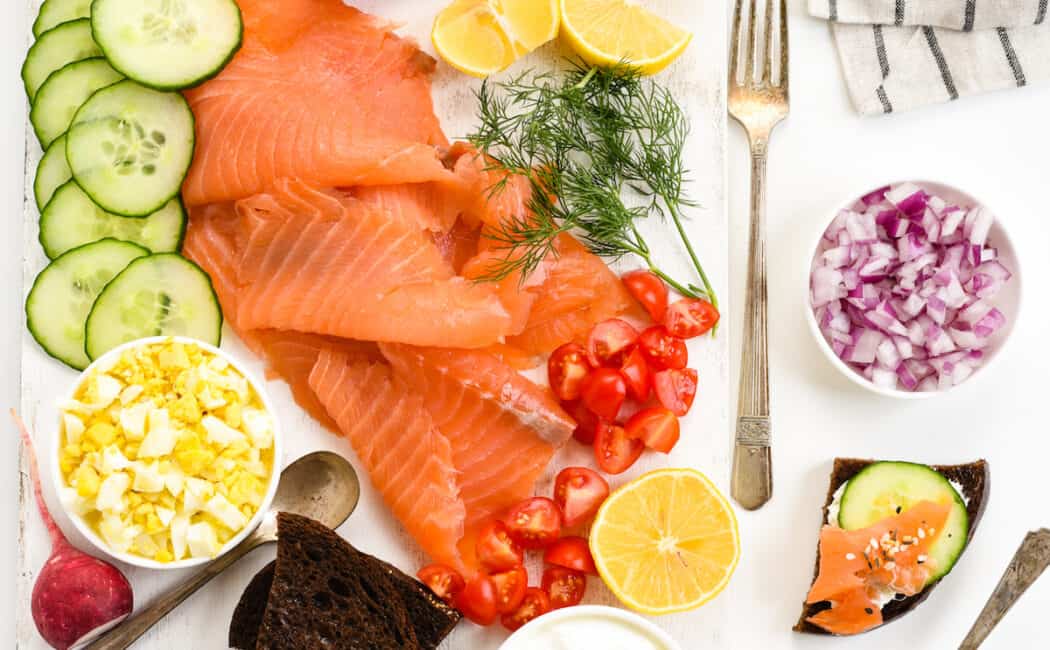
970	481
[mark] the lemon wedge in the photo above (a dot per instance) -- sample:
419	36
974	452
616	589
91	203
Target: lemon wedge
481	37
666	542
606	32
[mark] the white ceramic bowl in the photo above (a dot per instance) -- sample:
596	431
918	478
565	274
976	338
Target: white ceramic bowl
137	560
1008	301
591	622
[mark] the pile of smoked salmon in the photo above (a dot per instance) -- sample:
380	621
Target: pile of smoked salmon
344	237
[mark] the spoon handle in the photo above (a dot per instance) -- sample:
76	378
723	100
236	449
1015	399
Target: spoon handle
1031	559
138	624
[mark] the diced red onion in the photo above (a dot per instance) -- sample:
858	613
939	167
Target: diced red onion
902	286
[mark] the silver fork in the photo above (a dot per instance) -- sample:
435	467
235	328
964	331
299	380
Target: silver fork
758	104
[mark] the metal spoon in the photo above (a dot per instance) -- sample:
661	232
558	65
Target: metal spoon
322	486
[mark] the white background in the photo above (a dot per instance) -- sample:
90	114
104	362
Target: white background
995	146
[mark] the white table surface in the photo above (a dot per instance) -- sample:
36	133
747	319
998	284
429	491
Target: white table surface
989	145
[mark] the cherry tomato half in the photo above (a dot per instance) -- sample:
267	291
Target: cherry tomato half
585	421
662	350
636	373
649	290
534	604
510	588
444	581
564	587
477	600
579	492
614	451
604	391
495	549
566	370
657	427
609	341
690	317
535	522
676	389
571	552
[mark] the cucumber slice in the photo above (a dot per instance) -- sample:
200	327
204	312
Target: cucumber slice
63	293
163	294
51	173
884	489
71	220
55	12
57	100
130	147
167	45
57	47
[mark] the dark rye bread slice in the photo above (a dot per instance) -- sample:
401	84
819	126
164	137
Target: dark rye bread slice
248	615
324	596
975	481
429	617
432	619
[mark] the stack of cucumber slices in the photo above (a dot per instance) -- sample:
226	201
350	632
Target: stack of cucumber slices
102	80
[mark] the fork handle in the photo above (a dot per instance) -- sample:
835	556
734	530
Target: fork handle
752	482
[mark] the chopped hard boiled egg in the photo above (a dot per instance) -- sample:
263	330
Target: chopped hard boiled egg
167	452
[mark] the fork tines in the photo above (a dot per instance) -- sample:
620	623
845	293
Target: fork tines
775	22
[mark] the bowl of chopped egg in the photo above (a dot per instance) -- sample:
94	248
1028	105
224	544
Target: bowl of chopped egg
167	454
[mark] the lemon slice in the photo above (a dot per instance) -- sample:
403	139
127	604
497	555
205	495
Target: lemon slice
481	37
666	542
606	32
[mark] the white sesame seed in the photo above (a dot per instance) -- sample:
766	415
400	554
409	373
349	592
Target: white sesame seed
851	556
922	534
922	558
891	565
874	543
932	530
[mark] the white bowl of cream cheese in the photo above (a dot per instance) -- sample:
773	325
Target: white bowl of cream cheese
590	626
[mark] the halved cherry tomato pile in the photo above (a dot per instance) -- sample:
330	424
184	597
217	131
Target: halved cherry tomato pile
501	589
646	371
620	366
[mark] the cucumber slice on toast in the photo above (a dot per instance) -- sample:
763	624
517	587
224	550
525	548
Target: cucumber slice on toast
57	100
129	147
55	12
51	174
880	489
167	45
63	294
57	47
163	294
71	219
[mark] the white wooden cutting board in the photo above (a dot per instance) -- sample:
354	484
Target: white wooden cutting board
202	622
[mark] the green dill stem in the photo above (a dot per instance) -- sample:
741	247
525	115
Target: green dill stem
673	209
644	254
582	83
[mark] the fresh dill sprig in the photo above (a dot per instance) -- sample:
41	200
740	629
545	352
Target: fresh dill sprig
580	137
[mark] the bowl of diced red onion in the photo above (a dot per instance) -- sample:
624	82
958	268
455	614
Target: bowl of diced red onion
913	289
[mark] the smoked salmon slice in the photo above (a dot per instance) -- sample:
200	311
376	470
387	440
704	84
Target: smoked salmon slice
289	355
503	429
323	262
570	292
856	567
319	92
407	458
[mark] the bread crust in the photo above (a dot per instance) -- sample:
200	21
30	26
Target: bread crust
975	480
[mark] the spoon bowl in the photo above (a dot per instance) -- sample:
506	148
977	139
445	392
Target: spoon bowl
322	486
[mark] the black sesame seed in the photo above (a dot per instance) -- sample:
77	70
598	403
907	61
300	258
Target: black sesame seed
869	611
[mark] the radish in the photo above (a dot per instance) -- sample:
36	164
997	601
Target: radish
76	595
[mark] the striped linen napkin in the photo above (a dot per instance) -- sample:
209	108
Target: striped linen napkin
901	54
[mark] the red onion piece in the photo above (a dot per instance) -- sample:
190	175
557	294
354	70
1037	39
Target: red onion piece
903	285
